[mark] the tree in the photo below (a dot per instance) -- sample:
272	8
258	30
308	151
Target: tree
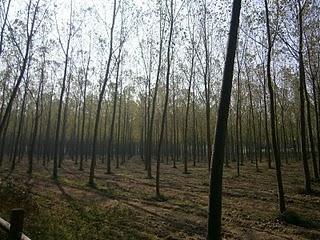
31	19
164	113
63	88
101	96
83	121
216	172
275	149
5	14
154	98
207	85
191	76
21	121
302	101
36	115
115	100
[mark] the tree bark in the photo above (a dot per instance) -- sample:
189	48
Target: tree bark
101	96
215	195
302	104
164	114
272	117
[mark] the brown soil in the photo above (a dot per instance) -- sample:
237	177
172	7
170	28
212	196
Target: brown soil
249	202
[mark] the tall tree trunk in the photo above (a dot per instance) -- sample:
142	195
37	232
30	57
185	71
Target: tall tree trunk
36	120
284	132
238	120
48	131
115	100
21	120
83	121
3	136
215	195
150	130
174	119
207	85
272	117
313	76
64	124
187	113
119	127
253	124
164	114
101	96
194	127
57	133
267	148
302	104
316	109
312	145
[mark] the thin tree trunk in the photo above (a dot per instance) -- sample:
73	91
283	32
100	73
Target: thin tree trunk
115	100
21	120
187	113
267	148
64	124
164	114
272	118
82	150
57	133
36	121
150	130
302	105
207	87
119	127
101	96
312	145
253	125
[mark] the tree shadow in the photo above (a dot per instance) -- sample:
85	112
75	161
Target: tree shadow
187	226
66	195
297	219
313	192
159	198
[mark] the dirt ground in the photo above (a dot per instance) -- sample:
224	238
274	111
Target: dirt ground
123	206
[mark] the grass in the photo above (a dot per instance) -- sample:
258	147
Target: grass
123	205
71	219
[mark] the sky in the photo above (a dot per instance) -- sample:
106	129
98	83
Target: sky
96	27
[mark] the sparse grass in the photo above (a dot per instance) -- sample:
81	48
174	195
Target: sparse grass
72	219
123	205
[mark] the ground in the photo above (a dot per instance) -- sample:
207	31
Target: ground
123	204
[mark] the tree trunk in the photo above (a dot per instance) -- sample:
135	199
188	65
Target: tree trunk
215	195
57	133
164	114
64	124
187	113
82	150
272	118
36	121
267	148
115	100
101	96
25	60
302	106
21	120
150	130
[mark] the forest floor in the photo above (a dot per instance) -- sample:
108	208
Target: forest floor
123	206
